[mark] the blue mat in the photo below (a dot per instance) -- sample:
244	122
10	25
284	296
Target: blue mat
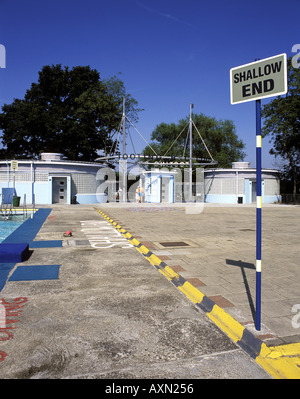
13	252
46	244
28	231
37	272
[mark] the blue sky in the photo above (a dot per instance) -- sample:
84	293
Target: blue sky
170	52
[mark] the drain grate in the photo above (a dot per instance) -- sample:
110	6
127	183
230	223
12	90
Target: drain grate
174	244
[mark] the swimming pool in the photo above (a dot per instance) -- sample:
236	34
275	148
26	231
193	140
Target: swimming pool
10	225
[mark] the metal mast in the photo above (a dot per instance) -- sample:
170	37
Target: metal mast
191	153
124	167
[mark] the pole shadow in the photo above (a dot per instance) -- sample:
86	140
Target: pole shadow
243	266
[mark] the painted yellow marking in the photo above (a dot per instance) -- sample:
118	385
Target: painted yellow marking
191	292
227	323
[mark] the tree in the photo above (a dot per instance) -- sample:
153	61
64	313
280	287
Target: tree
282	123
219	136
69	110
116	88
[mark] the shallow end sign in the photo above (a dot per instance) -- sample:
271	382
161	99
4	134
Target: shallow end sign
259	79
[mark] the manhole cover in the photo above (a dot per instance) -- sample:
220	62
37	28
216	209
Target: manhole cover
174	244
185	245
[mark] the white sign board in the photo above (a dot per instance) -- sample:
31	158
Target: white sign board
14	165
259	79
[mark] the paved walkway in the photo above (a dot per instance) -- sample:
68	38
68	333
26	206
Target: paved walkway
216	249
206	249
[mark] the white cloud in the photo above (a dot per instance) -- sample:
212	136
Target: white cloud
164	15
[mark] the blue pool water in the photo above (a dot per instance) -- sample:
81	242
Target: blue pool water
10	225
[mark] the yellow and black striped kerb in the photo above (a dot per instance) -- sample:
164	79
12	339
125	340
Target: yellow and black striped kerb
270	358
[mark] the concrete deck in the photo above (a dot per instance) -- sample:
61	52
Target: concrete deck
94	307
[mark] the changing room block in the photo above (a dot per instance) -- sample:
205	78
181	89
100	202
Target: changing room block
16	253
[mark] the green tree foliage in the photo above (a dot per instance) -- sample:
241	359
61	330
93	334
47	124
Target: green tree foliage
219	136
282	123
69	110
116	88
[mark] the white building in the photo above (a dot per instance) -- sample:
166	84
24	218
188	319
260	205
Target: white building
238	185
51	180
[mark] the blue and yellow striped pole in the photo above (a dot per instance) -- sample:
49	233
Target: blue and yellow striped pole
258	215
